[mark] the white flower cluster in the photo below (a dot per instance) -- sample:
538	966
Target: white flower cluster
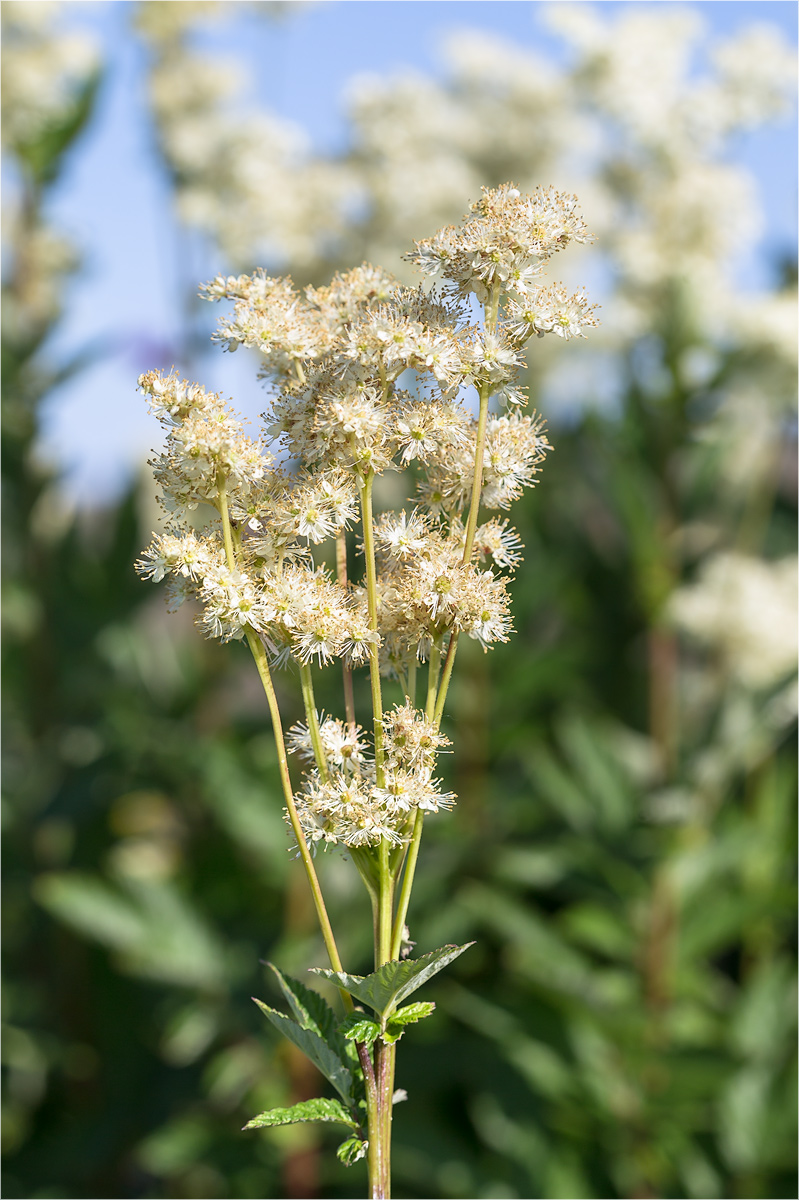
46	69
241	174
39	259
503	242
744	608
300	611
427	590
369	376
43	70
342	803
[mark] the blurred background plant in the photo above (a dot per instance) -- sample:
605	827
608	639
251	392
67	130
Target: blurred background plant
624	844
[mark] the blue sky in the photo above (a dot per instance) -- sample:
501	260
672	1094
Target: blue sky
114	202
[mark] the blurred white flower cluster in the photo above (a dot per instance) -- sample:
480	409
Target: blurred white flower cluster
629	118
242	175
43	69
746	608
46	70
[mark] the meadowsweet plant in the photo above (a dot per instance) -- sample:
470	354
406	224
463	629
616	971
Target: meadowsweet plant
368	377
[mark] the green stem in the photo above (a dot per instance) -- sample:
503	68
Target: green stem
412	680
385	908
380	1116
471	528
375	1142
371	594
446	675
492	308
380	1112
477	483
259	654
433	669
407	884
492	314
385	1059
434	666
306	682
341	572
227	531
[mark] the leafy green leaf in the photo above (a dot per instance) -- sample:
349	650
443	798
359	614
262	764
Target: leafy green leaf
326	1109
315	1048
535	947
308	1110
599	928
311	1010
358	1028
384	989
409	1015
595	769
43	155
535	1060
350	1151
555	785
153	928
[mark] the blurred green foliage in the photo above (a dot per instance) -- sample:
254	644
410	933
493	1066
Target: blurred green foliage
623	852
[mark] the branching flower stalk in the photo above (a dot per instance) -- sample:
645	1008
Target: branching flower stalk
368	376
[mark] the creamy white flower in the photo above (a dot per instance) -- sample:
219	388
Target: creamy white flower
745	608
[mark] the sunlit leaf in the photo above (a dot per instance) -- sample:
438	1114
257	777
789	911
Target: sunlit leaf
350	1151
394	981
308	1110
409	1015
358	1028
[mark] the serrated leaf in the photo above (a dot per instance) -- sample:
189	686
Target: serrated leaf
412	1013
311	1010
350	1151
384	989
320	1109
315	1048
409	1015
358	1028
